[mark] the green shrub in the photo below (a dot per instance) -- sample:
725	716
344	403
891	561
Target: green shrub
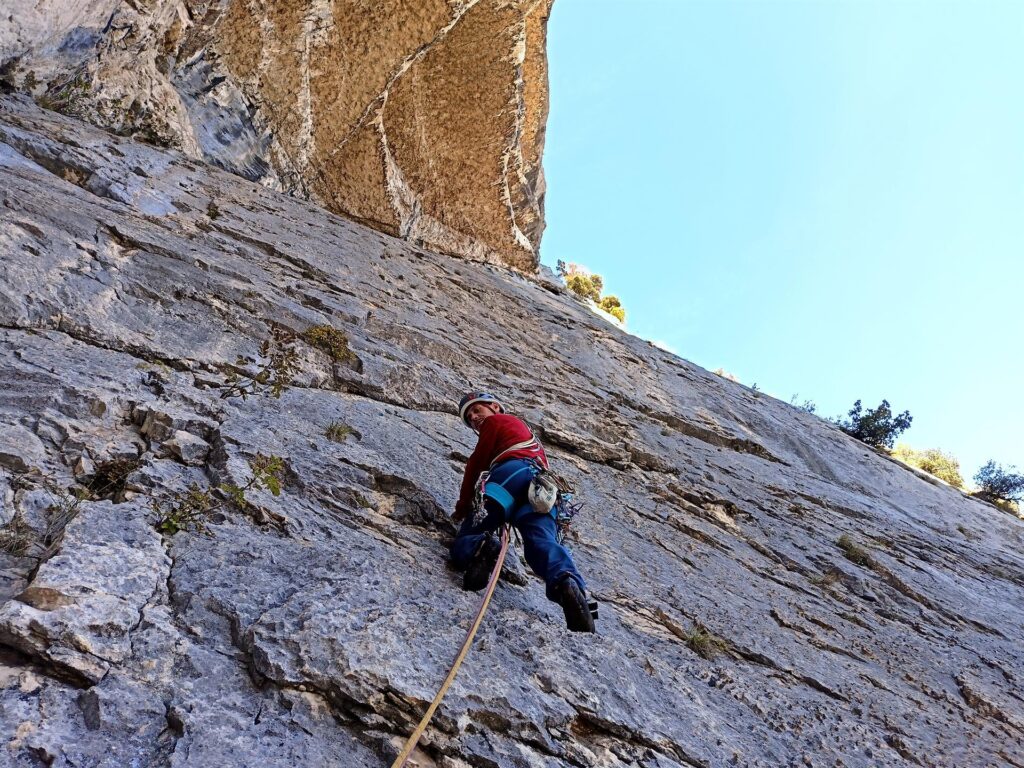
932	461
878	427
584	287
189	510
337	431
329	340
613	307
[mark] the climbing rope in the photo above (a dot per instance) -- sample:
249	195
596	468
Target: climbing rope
413	740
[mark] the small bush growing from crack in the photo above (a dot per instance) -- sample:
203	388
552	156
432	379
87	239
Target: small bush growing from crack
276	366
212	211
338	431
107	482
329	340
110	478
807	406
854	552
704	642
189	510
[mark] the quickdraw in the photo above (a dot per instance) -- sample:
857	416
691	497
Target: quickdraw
479	513
565	513
566	506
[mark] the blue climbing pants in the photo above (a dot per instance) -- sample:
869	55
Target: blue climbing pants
548	559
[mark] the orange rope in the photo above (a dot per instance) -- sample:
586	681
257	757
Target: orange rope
413	740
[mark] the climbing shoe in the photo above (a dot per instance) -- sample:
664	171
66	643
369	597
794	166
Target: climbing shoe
575	606
480	566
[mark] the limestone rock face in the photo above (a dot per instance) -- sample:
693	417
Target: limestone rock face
864	616
424	120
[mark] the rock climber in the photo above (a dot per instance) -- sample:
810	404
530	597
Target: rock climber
509	452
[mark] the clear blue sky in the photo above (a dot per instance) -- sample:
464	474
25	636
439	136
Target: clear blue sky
824	198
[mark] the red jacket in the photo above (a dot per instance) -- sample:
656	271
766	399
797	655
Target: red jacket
497	434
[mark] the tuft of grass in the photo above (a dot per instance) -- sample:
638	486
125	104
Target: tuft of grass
337	431
854	552
154	365
967	534
704	642
68	96
212	210
329	340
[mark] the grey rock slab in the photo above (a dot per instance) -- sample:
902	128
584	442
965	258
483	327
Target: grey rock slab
78	613
313	626
188	448
7	508
20	449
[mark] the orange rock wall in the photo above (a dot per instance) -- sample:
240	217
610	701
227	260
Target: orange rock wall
425	119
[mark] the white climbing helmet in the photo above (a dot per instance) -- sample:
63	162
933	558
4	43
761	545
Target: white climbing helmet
477	397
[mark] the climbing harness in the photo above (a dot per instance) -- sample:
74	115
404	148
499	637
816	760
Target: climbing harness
496	492
532	444
548	494
563	507
413	740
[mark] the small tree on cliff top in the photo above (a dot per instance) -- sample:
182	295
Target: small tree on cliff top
996	483
613	307
877	427
589	286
